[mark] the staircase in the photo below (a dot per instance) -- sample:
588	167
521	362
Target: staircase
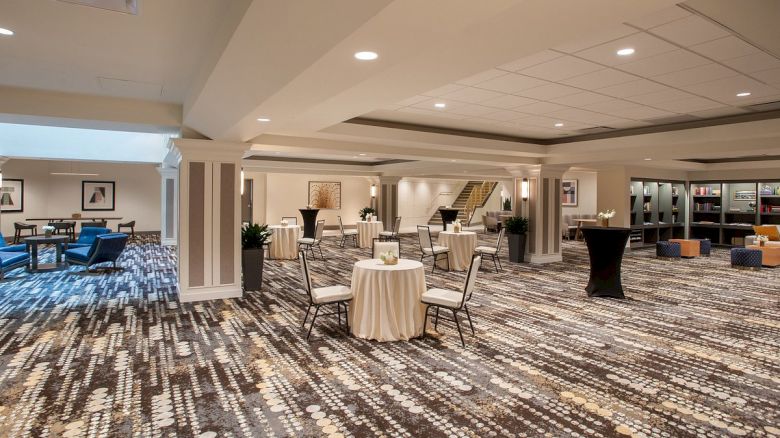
473	196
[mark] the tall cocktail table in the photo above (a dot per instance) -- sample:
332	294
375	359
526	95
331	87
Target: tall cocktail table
59	242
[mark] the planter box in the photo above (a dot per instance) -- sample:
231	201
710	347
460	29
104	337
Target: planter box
252	268
517	247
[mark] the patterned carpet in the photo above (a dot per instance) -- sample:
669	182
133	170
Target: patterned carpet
693	351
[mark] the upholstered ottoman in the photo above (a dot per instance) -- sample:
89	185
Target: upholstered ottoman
705	246
667	250
746	258
688	248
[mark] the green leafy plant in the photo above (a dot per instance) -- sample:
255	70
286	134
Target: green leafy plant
516	225
365	212
254	236
507	204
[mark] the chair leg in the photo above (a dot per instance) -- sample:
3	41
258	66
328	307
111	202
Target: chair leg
436	320
455	317
499	262
469	317
346	317
338	312
316	311
494	262
320	248
307	316
425	321
435	259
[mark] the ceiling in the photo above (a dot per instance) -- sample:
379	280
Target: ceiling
685	67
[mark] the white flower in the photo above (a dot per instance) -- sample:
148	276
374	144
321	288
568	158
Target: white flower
606	214
47	228
762	238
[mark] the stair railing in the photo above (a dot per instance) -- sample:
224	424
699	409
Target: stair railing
477	198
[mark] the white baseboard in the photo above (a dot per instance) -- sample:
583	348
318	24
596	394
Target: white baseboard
545	258
168	241
209	293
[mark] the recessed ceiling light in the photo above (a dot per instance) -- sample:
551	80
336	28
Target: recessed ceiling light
743	94
263	119
366	56
440	105
453	160
6	32
362	155
648	159
625	52
558	125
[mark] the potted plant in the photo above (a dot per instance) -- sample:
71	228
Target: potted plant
516	230
605	216
366	212
507	204
253	237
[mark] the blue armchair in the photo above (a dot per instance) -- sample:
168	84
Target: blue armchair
4	247
87	236
104	248
10	260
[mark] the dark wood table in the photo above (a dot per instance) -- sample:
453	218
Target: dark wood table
60	243
448	215
605	248
71	219
309	216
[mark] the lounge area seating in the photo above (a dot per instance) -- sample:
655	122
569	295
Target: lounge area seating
5	247
105	248
10	260
668	250
88	235
771	231
746	258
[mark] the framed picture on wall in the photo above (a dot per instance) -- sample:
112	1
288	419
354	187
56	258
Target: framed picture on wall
569	195
97	196
12	196
325	195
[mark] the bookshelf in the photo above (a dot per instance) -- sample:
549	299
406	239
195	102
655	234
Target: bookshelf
657	211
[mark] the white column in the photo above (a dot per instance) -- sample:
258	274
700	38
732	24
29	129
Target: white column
209	218
3	160
543	210
388	199
169	208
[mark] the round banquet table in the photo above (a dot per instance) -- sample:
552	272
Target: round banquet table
386	302
461	247
284	241
367	232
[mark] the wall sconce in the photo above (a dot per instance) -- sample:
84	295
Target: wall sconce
242	181
373	191
524	189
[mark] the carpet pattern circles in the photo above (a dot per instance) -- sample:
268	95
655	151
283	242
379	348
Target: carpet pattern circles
694	350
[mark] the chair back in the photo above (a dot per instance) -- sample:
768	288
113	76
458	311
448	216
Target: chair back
290	220
305	277
383	246
396	225
424	234
88	234
107	248
500	239
471	279
128	224
318	231
341	226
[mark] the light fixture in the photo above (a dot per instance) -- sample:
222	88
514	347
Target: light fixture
73	174
1	179
242	181
648	159
440	105
559	125
524	189
626	52
263	119
373	190
366	56
743	94
6	32
362	155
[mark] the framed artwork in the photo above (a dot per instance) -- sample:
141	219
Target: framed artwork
569	188
12	196
744	195
325	195
97	196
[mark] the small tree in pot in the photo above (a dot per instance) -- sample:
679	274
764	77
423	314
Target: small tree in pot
516	230
253	237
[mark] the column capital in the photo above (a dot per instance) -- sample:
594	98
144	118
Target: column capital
389	179
195	149
549	170
3	160
169	172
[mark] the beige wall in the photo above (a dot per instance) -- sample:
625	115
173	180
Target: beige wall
137	192
587	191
420	198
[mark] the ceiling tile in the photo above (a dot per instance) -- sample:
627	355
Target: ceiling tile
644	112
601	38
645	45
538	121
611	106
599	79
659	96
725	90
625	124
720	112
449	88
724	48
668	62
528	61
771	76
471	95
561	68
504	115
661	17
425	112
540	108
583	116
581	99
547	92
755	62
511	83
413	100
481	77
690	30
688	105
633	88
472	110
704	73
507	101
428	104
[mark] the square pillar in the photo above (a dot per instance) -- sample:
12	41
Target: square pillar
543	210
388	200
169	208
209	218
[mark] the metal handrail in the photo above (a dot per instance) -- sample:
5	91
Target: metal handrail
477	198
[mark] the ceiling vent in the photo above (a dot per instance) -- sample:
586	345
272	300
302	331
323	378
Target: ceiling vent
124	6
768	106
596	130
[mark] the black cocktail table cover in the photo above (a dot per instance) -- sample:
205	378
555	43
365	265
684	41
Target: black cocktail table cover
605	248
309	216
448	215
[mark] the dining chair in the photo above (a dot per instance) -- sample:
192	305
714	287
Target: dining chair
21	226
455	301
309	243
290	220
380	247
130	224
493	251
429	249
321	296
345	234
392	234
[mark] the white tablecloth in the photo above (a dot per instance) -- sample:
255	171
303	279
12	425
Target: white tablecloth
367	232
461	247
284	241
386	304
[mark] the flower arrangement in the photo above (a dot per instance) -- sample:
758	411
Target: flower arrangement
366	213
47	230
457	226
605	216
284	222
389	258
762	239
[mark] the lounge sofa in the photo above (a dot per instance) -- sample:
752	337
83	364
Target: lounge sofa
751	240
491	220
104	248
10	260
